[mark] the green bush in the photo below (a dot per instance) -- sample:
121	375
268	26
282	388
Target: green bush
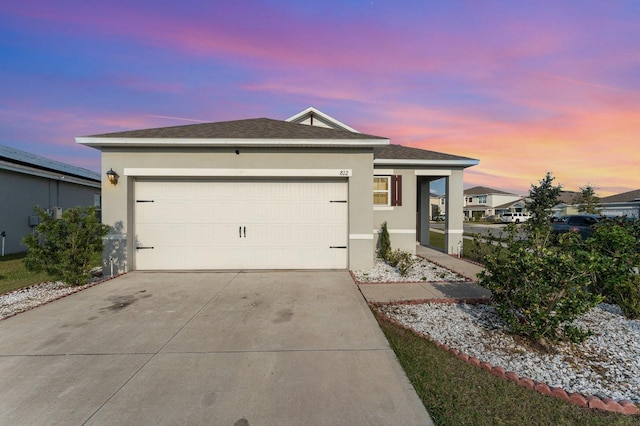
616	245
383	245
63	247
540	289
403	260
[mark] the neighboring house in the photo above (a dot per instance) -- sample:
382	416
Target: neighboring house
28	180
306	193
516	206
481	201
625	204
434	201
565	207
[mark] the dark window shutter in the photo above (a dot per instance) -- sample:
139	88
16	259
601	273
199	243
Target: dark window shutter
396	190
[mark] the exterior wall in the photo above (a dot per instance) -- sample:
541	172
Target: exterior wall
119	200
454	220
401	220
500	199
22	192
629	209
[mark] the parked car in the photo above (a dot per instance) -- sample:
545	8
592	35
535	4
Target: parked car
514	217
439	218
581	223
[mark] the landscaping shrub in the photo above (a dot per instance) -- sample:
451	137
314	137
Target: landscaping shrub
539	289
616	245
403	260
64	247
383	245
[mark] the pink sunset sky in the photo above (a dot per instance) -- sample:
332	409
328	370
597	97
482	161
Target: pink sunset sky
525	87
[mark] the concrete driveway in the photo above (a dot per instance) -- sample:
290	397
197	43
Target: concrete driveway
228	348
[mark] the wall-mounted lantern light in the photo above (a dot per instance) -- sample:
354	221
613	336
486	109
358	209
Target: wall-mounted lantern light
112	177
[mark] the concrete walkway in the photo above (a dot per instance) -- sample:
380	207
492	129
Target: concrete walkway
422	291
228	348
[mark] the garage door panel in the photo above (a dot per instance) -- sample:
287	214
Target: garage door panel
195	225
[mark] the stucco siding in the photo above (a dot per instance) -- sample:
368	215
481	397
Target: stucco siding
401	220
119	200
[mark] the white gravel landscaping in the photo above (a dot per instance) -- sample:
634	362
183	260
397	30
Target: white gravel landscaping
29	297
422	271
607	364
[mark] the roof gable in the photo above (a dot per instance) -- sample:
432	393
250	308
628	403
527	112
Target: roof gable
314	117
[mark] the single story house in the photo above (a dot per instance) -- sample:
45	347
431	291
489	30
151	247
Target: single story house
309	192
625	204
28	180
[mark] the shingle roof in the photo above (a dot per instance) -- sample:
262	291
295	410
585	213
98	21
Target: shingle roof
566	197
622	198
511	203
482	190
399	152
254	128
23	158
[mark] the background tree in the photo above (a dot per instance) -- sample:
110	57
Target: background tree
542	199
64	247
587	200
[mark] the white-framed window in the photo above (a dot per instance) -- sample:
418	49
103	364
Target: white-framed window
482	199
382	190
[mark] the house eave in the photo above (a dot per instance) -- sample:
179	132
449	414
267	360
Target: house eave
46	174
97	142
426	163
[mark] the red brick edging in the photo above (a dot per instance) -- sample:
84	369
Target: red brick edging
76	290
606	404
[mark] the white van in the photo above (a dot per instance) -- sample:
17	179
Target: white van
515	217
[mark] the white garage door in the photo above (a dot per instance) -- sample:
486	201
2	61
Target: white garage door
281	224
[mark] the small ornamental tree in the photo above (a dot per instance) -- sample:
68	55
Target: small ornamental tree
541	200
384	243
64	247
587	200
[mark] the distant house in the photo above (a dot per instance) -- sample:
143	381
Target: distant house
566	206
516	206
481	201
28	180
625	204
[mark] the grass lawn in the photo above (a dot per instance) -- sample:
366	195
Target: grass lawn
437	241
13	274
456	393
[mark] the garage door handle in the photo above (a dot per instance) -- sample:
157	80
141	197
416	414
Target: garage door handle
245	231
240	231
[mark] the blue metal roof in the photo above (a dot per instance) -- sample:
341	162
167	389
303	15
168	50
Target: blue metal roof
28	159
